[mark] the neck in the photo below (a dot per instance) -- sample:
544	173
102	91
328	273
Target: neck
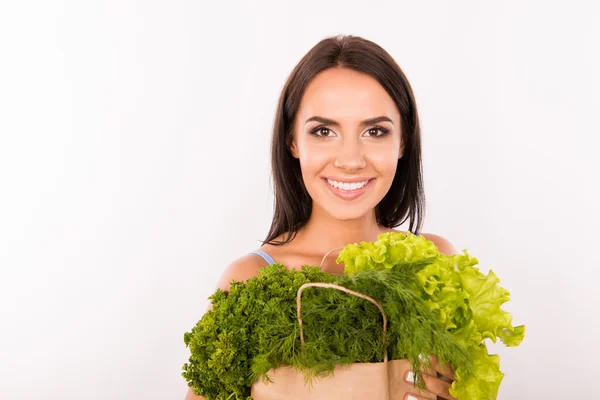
323	233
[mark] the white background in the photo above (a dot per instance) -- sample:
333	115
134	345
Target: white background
134	166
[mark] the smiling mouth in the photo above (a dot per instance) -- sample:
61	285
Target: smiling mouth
349	194
356	184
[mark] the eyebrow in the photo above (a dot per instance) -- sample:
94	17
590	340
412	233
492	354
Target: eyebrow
363	123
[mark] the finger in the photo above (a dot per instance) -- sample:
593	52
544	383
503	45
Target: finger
414	390
445	370
444	378
429	369
411	396
434	385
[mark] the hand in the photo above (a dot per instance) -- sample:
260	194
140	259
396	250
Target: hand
437	381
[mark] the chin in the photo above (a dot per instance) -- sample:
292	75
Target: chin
349	214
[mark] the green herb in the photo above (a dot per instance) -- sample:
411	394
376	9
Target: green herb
341	329
466	302
435	305
226	340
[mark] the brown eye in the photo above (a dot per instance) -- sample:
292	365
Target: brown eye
316	132
383	131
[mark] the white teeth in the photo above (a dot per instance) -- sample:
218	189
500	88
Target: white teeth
347	186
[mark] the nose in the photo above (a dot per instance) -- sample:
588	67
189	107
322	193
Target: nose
350	156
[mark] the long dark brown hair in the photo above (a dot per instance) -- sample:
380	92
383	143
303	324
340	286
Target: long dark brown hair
406	197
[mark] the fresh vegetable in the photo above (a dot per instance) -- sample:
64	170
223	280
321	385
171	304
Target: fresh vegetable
225	341
466	301
341	329
430	307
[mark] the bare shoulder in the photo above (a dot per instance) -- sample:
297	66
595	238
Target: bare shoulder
191	396
443	244
241	269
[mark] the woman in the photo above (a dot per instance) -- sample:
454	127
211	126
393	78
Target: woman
346	157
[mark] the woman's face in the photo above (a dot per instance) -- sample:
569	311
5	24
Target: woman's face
346	148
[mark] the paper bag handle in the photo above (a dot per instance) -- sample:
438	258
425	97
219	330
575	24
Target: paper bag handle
343	289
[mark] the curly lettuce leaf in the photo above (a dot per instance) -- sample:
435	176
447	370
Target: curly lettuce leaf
485	383
469	302
512	337
462	295
392	250
466	301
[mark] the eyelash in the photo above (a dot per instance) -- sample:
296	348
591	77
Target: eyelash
383	131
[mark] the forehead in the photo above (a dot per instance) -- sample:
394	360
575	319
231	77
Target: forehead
345	94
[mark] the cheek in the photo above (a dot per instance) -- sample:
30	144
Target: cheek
383	161
313	160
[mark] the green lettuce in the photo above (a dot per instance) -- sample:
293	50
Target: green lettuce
436	304
254	328
466	301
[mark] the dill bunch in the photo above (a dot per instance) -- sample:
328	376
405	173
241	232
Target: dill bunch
254	328
435	305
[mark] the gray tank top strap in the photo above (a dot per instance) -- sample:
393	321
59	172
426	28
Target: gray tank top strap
264	255
267	257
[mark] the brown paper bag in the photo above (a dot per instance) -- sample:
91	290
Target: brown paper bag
373	381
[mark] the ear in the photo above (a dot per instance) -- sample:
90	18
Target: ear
401	154
294	149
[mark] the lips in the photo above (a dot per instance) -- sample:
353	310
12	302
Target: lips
349	194
348	180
